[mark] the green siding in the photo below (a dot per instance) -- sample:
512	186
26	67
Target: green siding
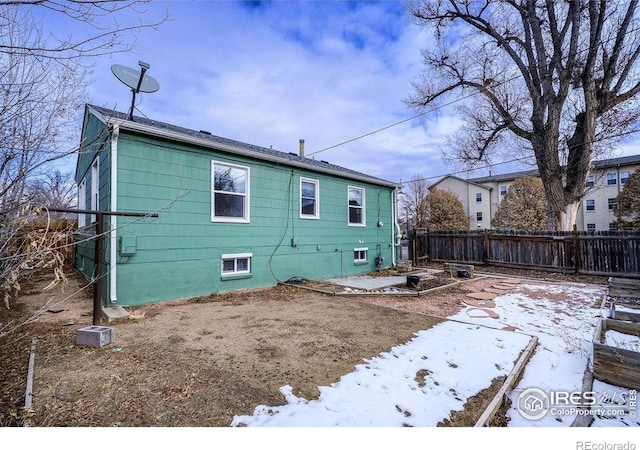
178	254
95	143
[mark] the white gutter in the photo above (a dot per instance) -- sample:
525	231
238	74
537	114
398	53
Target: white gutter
113	297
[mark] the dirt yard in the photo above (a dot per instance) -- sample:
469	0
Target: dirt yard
201	361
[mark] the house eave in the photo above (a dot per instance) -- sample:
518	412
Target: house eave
132	126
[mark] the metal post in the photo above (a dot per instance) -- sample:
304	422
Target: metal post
97	283
97	280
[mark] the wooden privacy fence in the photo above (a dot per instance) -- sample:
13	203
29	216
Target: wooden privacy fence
607	253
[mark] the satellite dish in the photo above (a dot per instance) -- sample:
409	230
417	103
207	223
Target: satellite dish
137	80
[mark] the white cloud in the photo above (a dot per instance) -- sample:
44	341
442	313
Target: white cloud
327	72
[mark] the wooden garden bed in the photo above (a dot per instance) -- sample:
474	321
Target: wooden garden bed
612	364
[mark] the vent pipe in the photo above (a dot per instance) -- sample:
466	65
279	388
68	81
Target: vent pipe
302	148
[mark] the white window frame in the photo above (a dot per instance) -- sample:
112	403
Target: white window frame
95	187
612	203
612	179
591	180
623	178
478	197
503	190
235	257
82	202
586	205
362	207
357	252
246	195
479	216
316	199
591	227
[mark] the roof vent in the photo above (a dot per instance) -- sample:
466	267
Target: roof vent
208	133
323	161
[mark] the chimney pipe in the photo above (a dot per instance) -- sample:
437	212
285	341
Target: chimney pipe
302	148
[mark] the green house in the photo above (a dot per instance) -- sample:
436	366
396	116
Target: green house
230	215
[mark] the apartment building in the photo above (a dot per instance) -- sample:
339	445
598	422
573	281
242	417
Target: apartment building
481	196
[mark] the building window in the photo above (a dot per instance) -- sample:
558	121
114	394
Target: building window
611	178
479	216
591	227
236	264
624	176
309	199
591	205
591	180
360	255
478	197
82	203
612	202
356	206
613	226
503	190
230	193
95	188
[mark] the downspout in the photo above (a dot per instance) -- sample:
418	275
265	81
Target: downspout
395	229
113	297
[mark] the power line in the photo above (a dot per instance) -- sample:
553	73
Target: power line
441	106
522	159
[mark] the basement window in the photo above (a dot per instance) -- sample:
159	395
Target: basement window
360	255
236	264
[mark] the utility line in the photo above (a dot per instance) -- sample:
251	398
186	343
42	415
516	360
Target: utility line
441	106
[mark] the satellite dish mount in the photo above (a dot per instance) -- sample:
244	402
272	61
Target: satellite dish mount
138	81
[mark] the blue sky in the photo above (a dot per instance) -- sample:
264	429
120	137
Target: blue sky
271	73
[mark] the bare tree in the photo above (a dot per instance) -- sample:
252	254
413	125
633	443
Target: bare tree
54	189
42	89
556	76
39	100
414	203
105	32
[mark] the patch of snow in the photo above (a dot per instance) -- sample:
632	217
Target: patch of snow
421	382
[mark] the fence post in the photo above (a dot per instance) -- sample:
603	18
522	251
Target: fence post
576	249
485	257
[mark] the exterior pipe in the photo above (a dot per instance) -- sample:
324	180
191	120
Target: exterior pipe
395	229
113	295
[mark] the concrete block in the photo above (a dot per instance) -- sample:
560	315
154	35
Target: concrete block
95	336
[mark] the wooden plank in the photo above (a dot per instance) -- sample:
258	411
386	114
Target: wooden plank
628	316
624	283
616	366
511	379
616	324
587	386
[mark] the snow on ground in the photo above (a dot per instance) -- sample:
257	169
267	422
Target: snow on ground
421	382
